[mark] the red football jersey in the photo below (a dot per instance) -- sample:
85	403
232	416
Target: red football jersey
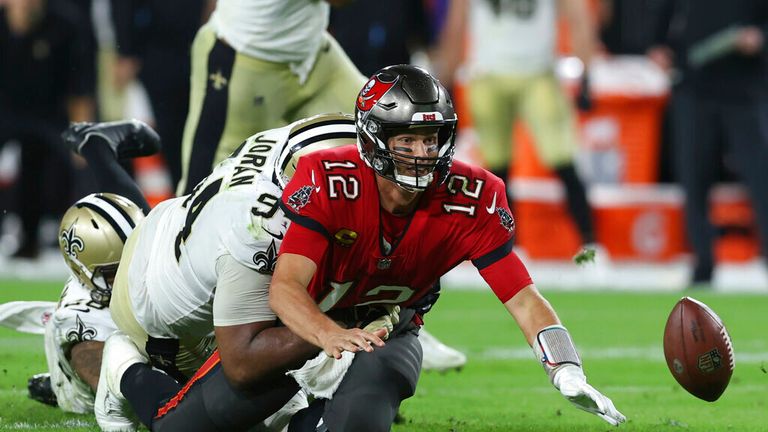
334	193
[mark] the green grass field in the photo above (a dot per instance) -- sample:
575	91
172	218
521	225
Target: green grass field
502	388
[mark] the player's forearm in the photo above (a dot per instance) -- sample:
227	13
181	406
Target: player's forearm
270	354
298	311
86	361
532	312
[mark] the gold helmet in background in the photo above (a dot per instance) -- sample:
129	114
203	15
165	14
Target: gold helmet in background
91	238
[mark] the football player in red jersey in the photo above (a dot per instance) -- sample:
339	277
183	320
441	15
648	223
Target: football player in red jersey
378	225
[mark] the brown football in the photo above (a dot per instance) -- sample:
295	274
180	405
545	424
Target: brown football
698	349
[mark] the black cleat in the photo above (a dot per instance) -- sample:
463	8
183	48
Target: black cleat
39	387
127	138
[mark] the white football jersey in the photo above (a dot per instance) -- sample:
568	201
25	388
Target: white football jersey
234	211
512	36
282	31
76	319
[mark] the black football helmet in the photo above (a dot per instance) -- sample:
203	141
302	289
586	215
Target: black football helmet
404	97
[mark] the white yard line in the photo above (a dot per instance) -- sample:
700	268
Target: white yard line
61	425
623	353
657	389
673	276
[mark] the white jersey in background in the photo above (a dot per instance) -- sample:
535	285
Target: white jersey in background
76	319
234	211
281	31
512	36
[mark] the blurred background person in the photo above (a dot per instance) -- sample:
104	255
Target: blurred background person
46	79
716	52
628	26
384	33
631	27
153	44
510	60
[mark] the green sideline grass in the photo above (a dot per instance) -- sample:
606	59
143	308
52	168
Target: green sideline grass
502	388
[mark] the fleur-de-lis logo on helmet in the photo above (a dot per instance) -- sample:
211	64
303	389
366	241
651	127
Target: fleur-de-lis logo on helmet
71	242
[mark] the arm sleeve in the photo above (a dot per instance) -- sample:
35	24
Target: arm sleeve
242	294
507	276
492	241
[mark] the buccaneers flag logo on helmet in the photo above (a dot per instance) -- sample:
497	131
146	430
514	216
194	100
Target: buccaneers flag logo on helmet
373	91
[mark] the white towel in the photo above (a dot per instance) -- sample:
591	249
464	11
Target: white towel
26	316
321	376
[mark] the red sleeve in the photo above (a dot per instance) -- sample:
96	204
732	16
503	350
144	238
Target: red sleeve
506	276
303	241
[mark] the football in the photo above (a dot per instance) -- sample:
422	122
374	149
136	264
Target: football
698	349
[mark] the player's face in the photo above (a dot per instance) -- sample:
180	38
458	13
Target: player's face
420	143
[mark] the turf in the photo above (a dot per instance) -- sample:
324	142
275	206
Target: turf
502	388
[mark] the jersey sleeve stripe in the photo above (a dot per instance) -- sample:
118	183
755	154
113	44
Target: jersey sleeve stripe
305	221
494	255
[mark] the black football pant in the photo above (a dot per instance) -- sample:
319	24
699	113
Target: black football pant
207	402
705	131
110	176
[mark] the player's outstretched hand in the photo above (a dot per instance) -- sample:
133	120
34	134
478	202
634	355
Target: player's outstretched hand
353	340
572	383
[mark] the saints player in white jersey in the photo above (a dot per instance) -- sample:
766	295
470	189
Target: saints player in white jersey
510	65
200	266
222	239
92	234
259	65
91	238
